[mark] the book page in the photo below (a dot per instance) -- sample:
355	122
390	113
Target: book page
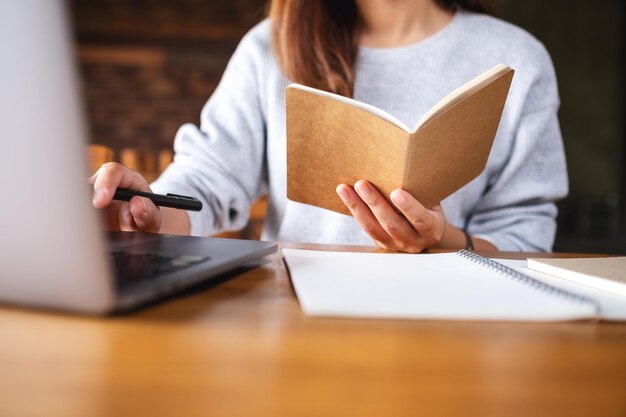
462	92
607	274
448	101
426	286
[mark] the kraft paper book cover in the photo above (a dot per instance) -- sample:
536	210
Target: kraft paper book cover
333	140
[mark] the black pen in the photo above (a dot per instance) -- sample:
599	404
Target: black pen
168	200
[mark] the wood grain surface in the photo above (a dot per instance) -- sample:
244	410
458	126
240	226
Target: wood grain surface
242	347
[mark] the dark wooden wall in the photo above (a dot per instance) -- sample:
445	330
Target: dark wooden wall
150	65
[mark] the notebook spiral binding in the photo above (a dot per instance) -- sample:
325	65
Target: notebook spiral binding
525	279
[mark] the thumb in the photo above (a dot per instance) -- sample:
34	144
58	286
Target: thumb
146	215
437	209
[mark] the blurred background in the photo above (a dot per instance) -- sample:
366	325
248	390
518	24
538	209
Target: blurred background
150	65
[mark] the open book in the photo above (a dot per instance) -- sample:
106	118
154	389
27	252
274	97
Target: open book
332	139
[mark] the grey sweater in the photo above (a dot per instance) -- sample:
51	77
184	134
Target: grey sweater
238	152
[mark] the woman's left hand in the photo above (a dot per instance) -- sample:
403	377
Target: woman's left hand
413	231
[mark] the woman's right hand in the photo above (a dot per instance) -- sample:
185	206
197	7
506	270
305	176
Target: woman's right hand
138	214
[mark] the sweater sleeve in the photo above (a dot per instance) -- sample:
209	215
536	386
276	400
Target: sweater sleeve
517	211
221	162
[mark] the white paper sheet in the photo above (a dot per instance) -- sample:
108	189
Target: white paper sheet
439	286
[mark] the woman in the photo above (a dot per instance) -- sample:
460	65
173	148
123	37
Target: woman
399	55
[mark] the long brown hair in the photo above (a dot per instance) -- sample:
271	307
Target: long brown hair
315	43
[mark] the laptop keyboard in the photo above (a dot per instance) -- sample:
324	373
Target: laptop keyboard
132	267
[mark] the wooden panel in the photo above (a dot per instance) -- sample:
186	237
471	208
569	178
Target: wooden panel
150	65
98	155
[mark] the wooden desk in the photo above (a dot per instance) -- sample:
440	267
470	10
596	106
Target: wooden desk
244	348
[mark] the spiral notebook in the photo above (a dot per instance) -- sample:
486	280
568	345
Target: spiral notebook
450	286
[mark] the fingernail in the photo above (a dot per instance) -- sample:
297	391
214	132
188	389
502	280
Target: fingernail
342	192
398	197
145	205
98	195
362	188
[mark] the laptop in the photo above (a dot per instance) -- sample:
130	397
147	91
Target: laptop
52	252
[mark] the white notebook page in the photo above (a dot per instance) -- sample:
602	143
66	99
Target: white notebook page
433	286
